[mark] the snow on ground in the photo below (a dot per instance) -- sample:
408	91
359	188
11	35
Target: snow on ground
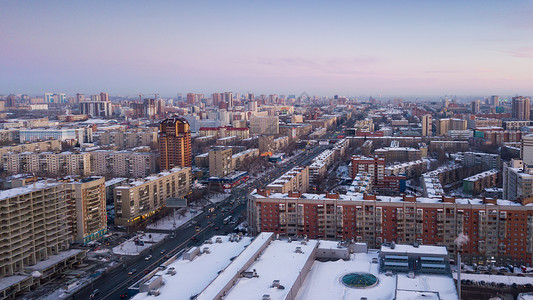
217	197
507	280
172	222
193	276
129	247
343	172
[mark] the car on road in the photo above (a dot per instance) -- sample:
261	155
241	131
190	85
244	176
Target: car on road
148	257
132	271
124	296
94	293
194	238
162	251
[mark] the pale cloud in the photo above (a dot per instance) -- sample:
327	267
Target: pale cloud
524	52
341	66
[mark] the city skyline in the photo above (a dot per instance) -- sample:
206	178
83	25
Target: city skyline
349	48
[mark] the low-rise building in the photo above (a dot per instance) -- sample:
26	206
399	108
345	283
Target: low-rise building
411	169
295	180
476	184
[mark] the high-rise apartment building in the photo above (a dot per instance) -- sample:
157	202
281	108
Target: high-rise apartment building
104	96
526	149
80	98
55	98
445	125
264	125
34	225
517	180
427	125
97	106
476	105
521	108
88	218
217	98
228	98
495	100
11	101
174	143
220	161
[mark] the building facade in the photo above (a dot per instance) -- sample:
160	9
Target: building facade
498	230
139	200
220	161
174	143
34	225
89	216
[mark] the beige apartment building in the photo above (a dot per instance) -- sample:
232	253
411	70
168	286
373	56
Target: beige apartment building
122	163
220	161
264	125
127	139
64	163
140	199
239	158
34	225
445	125
51	145
295	180
270	144
88	218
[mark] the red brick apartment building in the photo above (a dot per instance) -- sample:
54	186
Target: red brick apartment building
500	231
375	166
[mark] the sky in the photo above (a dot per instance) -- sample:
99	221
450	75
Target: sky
395	48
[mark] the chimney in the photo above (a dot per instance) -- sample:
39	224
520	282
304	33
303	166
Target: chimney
263	192
332	195
490	201
369	197
410	198
295	195
448	199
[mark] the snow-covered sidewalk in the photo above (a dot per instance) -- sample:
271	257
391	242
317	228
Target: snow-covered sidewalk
129	247
172	222
218	197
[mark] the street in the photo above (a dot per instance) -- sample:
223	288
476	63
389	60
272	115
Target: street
111	285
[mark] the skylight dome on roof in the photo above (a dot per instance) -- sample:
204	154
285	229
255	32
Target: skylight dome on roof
359	280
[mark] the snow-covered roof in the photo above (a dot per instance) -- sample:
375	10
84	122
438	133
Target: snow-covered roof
193	276
325	282
481	175
39	185
278	253
359	197
238	263
54	259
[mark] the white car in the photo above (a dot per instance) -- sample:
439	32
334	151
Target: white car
148	257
